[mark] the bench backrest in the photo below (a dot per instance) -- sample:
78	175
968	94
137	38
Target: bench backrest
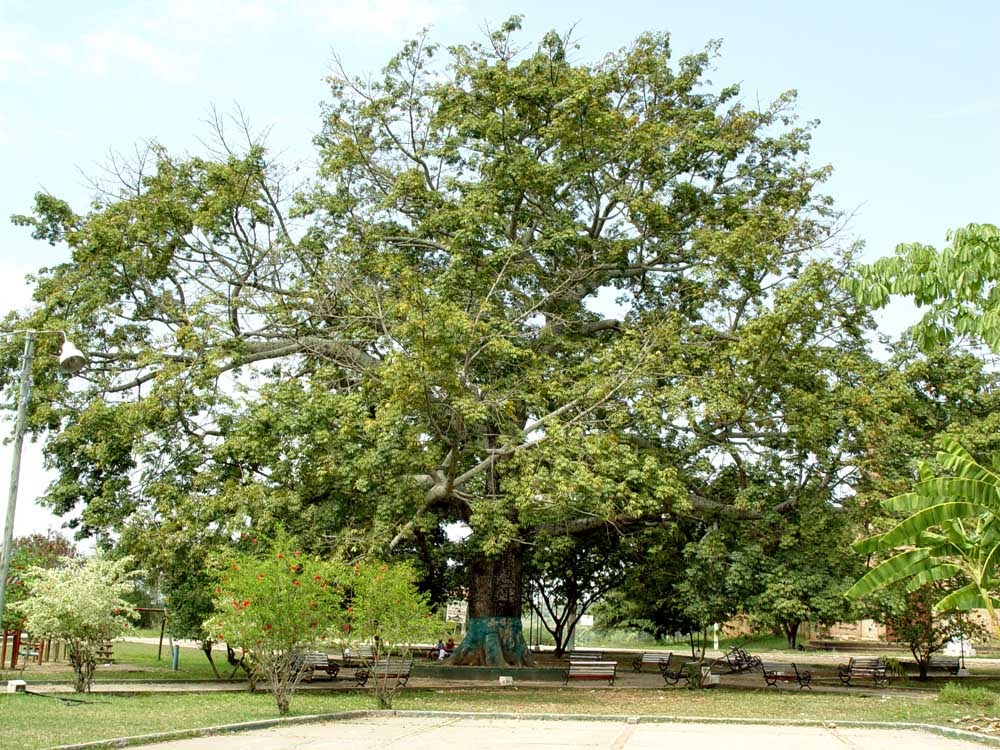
312	658
392	665
592	667
865	663
365	652
585	655
655	657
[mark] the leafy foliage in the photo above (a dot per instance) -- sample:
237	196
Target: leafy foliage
793	569
35	550
958	285
386	609
530	295
951	534
922	629
82	602
274	604
568	574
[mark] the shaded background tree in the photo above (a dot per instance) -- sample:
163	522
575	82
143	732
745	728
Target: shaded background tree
567	575
34	550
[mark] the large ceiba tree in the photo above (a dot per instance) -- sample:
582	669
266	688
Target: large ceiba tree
520	293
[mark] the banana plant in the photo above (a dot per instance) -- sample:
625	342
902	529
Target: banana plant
952	533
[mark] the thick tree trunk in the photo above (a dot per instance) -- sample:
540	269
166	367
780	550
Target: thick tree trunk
494	637
791	633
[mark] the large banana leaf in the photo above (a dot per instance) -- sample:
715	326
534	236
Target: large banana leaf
940	572
952	532
909	503
894	569
936	515
961	463
967	597
868	545
992	557
971	490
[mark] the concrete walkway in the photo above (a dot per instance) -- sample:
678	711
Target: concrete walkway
434	733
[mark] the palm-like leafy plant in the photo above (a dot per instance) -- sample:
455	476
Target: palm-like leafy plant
952	534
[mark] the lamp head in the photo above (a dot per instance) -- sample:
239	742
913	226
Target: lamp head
71	359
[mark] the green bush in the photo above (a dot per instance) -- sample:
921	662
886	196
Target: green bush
967	696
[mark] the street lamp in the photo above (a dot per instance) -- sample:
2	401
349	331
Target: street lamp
71	361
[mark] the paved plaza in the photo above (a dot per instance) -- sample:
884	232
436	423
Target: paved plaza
438	733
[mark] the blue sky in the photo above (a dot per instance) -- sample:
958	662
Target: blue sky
908	95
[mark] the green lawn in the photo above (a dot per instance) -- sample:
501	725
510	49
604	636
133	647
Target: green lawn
36	722
137	661
28	722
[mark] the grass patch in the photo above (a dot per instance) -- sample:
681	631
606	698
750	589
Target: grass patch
133	661
962	695
29	722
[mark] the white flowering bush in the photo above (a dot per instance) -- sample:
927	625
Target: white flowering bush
82	603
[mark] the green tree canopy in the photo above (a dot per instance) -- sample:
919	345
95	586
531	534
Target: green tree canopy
957	285
521	293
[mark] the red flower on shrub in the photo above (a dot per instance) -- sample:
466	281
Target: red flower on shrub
317	578
235	566
298	553
268	626
218	589
312	624
281	556
295	582
246	603
260	576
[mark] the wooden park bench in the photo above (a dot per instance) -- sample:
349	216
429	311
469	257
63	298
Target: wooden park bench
673	669
865	668
591	670
311	662
775	673
361	656
947	664
585	656
391	668
738	660
650	657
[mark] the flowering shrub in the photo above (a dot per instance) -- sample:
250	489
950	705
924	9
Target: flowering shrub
81	602
274	604
384	608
